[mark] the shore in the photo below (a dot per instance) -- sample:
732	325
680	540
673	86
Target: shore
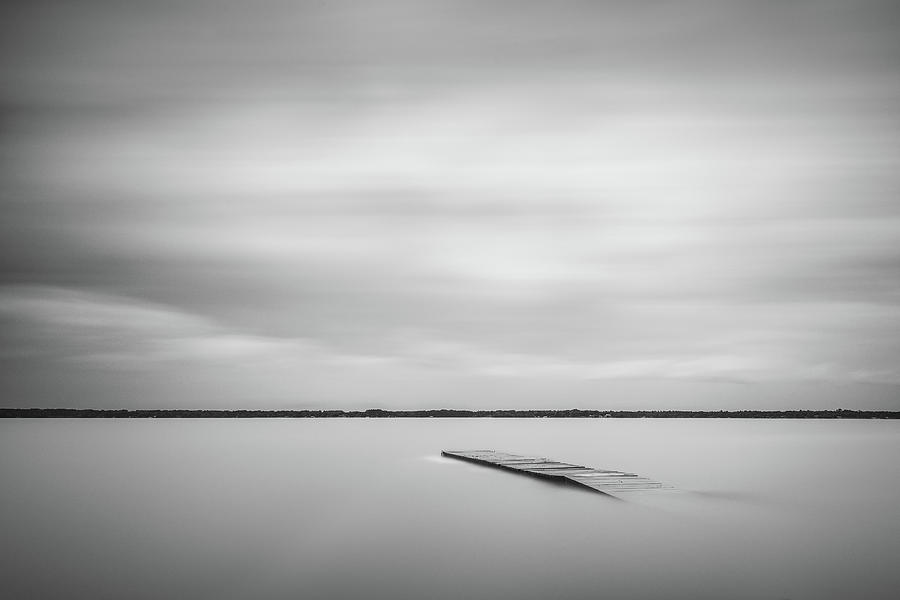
377	413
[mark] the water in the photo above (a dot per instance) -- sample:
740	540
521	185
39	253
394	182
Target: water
367	508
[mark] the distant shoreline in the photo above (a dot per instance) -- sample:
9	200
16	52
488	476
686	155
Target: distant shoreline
377	413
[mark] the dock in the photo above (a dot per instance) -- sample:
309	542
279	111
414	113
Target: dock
609	482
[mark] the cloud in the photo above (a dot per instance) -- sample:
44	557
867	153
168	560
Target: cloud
109	331
360	202
79	348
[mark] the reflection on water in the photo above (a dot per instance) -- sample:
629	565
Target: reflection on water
368	508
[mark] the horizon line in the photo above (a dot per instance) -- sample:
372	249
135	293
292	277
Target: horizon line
205	413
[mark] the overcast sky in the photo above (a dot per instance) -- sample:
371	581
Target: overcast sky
347	204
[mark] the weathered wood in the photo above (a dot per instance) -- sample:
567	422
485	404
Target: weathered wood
604	481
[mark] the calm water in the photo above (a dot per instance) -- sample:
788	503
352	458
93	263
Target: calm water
367	508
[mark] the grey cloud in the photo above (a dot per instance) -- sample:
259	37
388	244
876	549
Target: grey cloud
472	193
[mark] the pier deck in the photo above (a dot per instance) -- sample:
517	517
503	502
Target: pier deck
609	482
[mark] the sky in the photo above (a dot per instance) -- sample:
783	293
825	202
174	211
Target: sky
472	204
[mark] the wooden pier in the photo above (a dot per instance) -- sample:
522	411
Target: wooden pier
610	483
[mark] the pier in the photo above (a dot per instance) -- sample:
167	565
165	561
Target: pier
609	482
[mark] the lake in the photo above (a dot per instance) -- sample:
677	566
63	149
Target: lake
367	508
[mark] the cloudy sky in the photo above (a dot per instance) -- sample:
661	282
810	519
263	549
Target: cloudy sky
417	203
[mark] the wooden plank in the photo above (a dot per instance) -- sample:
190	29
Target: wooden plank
605	475
547	466
604	481
624	485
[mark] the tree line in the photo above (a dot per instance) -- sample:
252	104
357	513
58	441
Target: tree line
378	413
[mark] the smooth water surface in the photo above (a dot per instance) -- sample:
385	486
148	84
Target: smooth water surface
367	508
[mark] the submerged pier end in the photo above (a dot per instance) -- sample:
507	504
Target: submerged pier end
611	483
